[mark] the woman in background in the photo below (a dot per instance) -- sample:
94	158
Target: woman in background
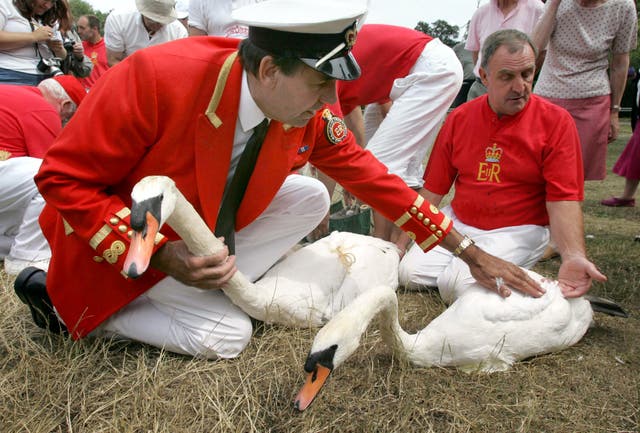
580	36
30	41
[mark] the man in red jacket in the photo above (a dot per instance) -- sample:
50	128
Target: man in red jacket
190	109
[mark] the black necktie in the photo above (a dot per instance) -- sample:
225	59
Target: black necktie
225	226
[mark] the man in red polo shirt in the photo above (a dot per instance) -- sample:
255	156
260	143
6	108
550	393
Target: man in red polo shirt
517	168
94	48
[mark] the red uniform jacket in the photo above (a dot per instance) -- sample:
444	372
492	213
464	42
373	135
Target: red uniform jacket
172	110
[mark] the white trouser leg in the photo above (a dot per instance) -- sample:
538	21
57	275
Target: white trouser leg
372	119
297	209
20	207
521	245
205	323
420	103
182	319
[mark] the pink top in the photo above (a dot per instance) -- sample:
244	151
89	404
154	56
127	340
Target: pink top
488	19
507	169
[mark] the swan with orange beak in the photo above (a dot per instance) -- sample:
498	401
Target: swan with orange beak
305	289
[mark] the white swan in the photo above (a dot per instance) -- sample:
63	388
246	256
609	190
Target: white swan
305	289
480	331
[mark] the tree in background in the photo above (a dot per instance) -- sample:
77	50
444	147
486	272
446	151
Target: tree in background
81	7
441	29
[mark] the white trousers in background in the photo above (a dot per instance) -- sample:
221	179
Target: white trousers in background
20	207
522	245
205	323
420	103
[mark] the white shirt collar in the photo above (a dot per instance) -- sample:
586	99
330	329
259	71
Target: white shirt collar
248	112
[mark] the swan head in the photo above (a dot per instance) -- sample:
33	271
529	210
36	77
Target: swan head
339	338
153	201
318	366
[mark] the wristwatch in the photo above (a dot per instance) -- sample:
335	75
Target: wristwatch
465	243
615	108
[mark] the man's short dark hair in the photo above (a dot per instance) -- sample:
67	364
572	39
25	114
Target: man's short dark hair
93	20
251	56
515	40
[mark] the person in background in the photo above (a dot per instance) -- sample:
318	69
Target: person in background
419	76
30	40
495	15
628	166
587	45
182	13
187	109
76	63
213	18
468	76
94	47
31	118
153	23
517	176
633	77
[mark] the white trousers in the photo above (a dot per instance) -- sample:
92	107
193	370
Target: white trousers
420	104
204	323
522	245
20	207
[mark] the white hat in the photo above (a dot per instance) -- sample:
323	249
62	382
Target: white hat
182	9
160	11
318	32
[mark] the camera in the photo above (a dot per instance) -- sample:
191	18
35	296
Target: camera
68	45
50	66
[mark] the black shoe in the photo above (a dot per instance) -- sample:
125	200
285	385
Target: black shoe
31	289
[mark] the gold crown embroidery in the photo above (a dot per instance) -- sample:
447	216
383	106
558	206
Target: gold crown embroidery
493	154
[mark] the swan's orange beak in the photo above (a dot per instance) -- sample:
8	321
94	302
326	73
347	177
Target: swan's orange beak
141	248
311	388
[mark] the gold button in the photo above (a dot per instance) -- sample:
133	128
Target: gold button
122	228
97	259
114	221
420	216
439	233
130	234
426	221
432	227
413	210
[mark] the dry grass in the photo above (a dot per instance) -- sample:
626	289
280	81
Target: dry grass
50	384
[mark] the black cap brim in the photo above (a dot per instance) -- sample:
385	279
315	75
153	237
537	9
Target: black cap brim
341	68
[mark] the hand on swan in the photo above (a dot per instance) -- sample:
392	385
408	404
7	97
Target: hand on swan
204	272
499	275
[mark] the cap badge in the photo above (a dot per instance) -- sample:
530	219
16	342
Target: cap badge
350	37
335	130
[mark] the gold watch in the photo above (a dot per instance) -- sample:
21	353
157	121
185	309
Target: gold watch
465	243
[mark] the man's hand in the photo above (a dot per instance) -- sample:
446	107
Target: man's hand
78	50
499	275
204	272
575	276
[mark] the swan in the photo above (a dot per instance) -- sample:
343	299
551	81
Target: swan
304	289
479	331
